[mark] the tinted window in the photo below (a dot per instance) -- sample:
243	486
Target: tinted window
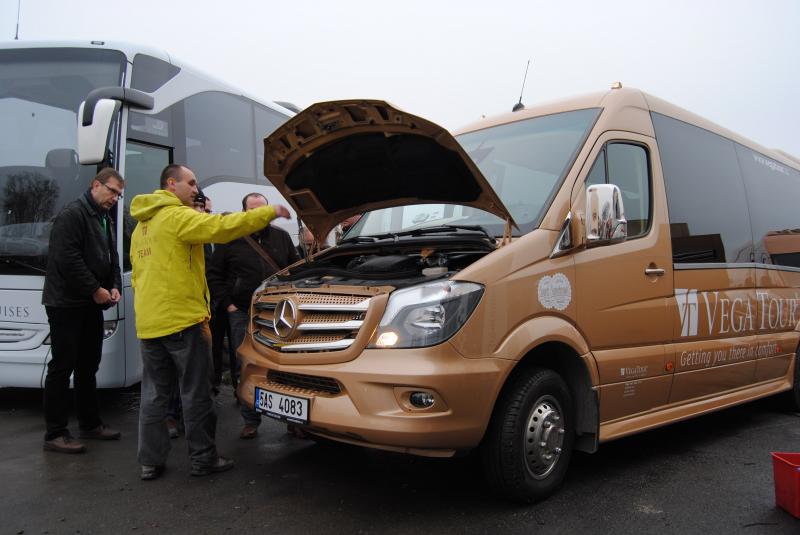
154	128
219	138
773	196
143	165
628	169
150	73
707	209
40	91
598	173
267	121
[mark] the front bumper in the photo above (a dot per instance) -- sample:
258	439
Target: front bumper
372	405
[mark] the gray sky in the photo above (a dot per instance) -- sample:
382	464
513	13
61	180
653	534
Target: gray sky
735	62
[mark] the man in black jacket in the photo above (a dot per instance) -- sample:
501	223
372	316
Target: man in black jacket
82	280
234	273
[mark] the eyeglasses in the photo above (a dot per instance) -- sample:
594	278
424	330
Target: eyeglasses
116	192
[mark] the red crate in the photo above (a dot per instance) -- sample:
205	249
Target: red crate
786	471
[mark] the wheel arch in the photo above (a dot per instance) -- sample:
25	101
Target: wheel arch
561	348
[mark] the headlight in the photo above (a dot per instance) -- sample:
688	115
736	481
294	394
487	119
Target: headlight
426	315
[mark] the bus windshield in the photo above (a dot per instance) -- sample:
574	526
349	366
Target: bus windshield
525	162
40	92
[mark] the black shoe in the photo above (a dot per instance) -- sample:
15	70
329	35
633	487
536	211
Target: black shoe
222	464
150	472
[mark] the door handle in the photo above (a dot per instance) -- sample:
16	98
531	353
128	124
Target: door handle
654	271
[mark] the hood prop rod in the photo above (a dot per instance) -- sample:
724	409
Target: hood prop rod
506	233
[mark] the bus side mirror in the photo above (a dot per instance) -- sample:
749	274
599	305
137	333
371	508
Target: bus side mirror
93	138
605	215
95	115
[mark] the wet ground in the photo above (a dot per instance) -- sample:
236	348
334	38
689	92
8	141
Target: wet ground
708	475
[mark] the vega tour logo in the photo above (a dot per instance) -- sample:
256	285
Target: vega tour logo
738	315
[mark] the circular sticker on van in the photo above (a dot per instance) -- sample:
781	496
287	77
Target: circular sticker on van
555	291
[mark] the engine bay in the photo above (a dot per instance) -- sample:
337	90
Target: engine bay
398	266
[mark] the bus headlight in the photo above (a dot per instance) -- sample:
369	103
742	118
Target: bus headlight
426	315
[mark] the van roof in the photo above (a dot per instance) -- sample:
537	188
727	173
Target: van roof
620	99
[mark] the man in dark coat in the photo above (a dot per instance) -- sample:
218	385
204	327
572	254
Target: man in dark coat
234	273
83	279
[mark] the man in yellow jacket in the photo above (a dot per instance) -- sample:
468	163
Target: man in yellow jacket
171	299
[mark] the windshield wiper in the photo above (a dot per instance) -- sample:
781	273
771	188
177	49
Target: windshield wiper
447	228
16	262
360	239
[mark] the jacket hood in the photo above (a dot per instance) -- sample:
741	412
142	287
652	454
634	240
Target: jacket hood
338	159
145	206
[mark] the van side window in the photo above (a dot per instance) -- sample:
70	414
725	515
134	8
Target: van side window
773	192
598	173
708	212
628	169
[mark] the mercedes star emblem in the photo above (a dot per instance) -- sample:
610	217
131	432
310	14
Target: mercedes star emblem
285	319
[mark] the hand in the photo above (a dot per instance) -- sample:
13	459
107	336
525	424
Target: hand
232	308
101	296
281	211
115	296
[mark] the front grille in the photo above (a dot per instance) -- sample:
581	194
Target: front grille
305	298
308	382
314	322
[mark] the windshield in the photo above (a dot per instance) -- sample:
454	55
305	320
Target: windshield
525	162
40	91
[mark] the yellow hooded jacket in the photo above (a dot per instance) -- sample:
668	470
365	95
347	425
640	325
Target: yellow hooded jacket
170	290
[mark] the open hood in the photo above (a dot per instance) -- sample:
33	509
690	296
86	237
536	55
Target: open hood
338	159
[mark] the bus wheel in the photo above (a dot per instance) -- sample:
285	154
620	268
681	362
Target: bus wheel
528	445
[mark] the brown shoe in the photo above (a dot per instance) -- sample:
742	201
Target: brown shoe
248	432
101	432
64	444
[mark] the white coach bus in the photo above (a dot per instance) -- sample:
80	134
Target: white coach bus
119	105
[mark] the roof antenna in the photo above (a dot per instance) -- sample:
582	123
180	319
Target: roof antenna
519	105
16	37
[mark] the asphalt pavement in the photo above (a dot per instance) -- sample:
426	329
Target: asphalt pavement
709	475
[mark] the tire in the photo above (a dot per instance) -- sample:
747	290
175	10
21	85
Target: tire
527	448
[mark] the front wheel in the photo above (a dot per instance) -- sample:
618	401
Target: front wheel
528	445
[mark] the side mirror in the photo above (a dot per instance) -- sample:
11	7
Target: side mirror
95	115
93	138
605	215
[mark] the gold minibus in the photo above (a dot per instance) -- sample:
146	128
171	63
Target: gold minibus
541	282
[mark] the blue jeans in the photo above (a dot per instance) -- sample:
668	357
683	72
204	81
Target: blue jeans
239	321
184	356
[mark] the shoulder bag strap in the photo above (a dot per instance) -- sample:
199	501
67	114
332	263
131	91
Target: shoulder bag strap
262	253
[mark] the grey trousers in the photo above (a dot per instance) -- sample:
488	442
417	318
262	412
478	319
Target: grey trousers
185	355
239	321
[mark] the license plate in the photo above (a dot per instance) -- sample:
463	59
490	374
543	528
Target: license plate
281	406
